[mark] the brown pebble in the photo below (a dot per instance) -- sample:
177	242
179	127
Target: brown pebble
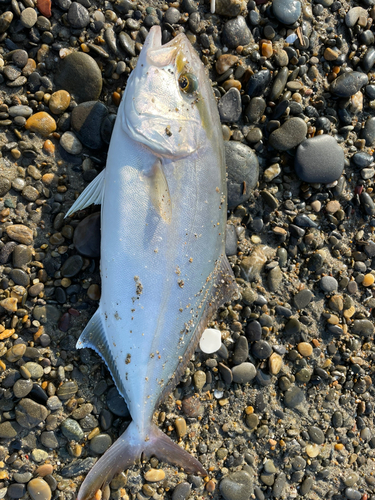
9	304
275	363
210	486
225	62
44	470
232	83
15	353
49	147
305	349
59	101
192	406
49	179
93	292
39	489
29	68
330	54
44	7
180	425
64	322
154	475
41	122
20	233
333	206
267	50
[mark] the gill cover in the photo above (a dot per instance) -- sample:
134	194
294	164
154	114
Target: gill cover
162	98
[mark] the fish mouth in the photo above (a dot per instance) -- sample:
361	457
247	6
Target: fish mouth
173	53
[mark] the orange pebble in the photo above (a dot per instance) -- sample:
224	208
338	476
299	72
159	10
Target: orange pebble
49	146
116	98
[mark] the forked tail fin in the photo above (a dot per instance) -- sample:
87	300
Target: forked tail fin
128	449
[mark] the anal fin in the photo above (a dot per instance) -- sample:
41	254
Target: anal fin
94	337
92	195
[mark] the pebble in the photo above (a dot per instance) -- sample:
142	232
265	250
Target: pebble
72	266
78	16
42	123
72	430
328	284
257	83
181	491
305	349
76	68
243	373
319	160
286	11
293	397
99	444
154	475
243	172
30	414
236	32
59	102
86	238
28	17
39	489
289	135
87	119
70	142
230	107
16	490
236	486
20	233
348	84
210	340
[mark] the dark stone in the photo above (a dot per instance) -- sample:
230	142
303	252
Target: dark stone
87	121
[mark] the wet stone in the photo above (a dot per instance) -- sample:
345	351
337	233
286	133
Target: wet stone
49	440
306	486
35	370
76	68
286	11
236	486
20	277
236	32
353	494
99	444
348	84
363	327
9	430
226	373
72	266
241	350
21	256
243	373
16	490
289	135
70	142
20	233
368	132
303	298
67	390
230	107
22	388
257	83
319	159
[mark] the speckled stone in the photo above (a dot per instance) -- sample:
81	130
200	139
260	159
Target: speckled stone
243	373
242	166
42	123
236	32
290	134
236	486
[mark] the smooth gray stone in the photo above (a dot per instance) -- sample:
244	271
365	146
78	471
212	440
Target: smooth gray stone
319	160
368	132
348	84
286	11
236	32
236	486
230	107
290	134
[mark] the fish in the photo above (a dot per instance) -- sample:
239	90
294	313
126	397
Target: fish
164	272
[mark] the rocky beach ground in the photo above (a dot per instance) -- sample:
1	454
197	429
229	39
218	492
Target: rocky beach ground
285	408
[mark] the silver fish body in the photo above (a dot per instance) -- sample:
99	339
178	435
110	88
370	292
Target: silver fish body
163	268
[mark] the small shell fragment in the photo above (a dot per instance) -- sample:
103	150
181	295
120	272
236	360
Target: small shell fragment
210	341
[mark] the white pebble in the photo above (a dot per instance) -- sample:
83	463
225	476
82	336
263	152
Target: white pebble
210	341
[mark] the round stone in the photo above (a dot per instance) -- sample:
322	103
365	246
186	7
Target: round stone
42	123
261	349
210	341
290	134
286	11
305	349
99	444
87	120
70	142
316	435
303	298
181	491
237	486
319	160
243	373
72	266
35	370
293	397
16	490
72	430
22	388
243	172
39	489
230	106
79	74
86	236
116	403
59	101
328	284
28	17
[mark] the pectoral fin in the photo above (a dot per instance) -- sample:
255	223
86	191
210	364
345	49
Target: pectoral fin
159	192
92	195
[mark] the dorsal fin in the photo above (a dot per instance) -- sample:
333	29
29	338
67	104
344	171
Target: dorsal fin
91	195
94	337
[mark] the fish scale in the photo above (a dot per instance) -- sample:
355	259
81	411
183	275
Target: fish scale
163	268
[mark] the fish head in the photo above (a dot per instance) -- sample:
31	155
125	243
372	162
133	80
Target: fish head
168	103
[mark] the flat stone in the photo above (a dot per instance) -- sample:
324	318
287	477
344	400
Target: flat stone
28	17
181	491
303	298
348	84
230	106
16	490
20	233
42	123
87	119
290	134
236	486
76	68
9	429
319	160
154	475
67	390
243	373
354	14
368	132
29	414
243	172
22	388
35	370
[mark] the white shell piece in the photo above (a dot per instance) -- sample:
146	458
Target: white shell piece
210	341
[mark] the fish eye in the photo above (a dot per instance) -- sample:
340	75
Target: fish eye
188	83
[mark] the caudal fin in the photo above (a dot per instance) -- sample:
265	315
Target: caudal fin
127	450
